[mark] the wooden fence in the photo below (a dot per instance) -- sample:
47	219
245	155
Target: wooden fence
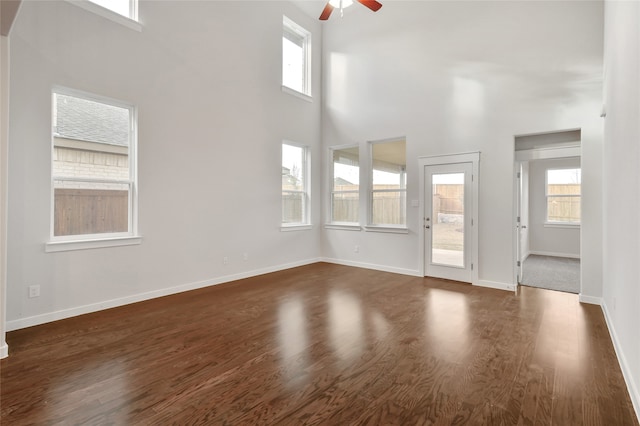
90	211
448	199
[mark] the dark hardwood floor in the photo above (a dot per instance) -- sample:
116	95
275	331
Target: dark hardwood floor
322	344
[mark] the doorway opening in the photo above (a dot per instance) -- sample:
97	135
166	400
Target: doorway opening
547	211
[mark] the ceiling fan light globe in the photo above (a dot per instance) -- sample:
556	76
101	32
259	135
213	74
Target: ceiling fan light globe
336	3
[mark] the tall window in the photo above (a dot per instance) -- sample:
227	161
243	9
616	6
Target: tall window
128	8
296	57
93	167
295	185
388	203
345	192
563	195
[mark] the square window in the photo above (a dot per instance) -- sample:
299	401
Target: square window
92	167
296	57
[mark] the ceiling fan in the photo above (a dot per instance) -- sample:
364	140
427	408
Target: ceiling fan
332	4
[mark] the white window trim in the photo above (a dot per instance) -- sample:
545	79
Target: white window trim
370	226
306	224
568	225
344	226
294	92
290	25
131	23
554	223
57	246
331	224
387	229
295	227
88	241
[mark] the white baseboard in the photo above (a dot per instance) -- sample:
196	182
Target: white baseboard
496	285
94	307
632	387
4	351
590	299
373	266
554	254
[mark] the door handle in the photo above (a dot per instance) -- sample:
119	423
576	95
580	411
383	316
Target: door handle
427	227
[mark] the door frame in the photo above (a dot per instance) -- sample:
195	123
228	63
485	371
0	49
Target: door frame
528	155
435	160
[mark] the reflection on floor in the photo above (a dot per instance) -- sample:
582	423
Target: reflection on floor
553	273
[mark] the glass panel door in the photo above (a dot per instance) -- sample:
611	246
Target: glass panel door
447	246
448	221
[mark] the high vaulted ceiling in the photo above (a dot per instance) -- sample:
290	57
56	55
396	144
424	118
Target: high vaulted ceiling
8	11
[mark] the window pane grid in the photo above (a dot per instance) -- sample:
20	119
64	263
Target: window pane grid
295	195
296	57
563	192
388	183
92	163
345	183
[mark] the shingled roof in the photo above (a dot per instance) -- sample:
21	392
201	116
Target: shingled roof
91	121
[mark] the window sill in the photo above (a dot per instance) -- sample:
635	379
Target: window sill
343	227
387	229
288	228
56	246
297	94
108	14
562	225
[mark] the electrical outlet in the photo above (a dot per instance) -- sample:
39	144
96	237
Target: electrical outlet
245	256
225	260
356	249
34	291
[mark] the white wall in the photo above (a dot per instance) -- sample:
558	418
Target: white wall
466	76
206	78
552	241
4	122
621	289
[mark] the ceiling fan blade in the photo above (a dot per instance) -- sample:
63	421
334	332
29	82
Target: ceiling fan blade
371	4
326	12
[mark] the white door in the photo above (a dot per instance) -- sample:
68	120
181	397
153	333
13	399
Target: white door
518	223
448	221
522	217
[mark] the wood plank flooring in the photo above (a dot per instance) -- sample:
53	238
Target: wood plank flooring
322	345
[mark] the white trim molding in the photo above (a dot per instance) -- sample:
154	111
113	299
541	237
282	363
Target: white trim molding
495	285
373	266
554	254
113	303
632	387
591	300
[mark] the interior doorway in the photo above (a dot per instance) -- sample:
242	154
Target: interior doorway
547	211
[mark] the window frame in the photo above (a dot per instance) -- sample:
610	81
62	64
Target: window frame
306	188
557	223
290	26
131	21
384	227
87	241
331	222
